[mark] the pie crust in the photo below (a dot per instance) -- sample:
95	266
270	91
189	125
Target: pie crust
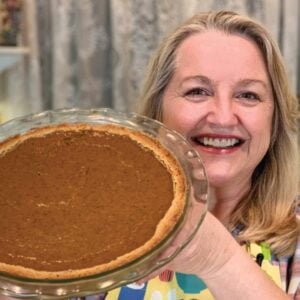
80	199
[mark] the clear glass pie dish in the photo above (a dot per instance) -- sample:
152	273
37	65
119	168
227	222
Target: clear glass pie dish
188	224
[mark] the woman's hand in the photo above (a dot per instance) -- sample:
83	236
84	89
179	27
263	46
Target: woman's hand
210	249
225	267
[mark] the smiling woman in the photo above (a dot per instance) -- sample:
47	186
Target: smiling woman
219	80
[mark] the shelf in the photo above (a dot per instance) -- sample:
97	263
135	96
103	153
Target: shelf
11	55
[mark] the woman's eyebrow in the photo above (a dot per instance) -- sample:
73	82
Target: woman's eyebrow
249	81
198	78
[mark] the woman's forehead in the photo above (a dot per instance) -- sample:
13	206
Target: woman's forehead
220	55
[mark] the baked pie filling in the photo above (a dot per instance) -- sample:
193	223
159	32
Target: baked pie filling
78	200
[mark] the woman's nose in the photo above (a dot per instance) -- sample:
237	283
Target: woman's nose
222	112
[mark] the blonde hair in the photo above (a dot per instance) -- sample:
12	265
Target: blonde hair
268	211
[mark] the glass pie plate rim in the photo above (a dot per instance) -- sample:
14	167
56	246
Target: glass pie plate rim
190	161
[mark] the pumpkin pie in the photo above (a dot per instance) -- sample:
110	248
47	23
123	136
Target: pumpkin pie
78	199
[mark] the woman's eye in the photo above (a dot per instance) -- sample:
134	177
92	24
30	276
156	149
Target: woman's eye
196	93
249	96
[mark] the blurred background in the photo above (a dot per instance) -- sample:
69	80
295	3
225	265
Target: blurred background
93	53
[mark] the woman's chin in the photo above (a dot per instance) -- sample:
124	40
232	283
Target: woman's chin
217	177
218	181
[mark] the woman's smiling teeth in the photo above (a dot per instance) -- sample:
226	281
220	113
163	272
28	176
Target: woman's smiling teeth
217	142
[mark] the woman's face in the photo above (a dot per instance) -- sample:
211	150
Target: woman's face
220	99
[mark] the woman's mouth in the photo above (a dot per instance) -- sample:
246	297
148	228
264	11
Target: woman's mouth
217	142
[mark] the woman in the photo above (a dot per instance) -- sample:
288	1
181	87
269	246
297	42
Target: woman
219	80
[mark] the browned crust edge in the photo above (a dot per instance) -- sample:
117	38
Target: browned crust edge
164	227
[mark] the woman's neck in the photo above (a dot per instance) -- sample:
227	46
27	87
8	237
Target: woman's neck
225	199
